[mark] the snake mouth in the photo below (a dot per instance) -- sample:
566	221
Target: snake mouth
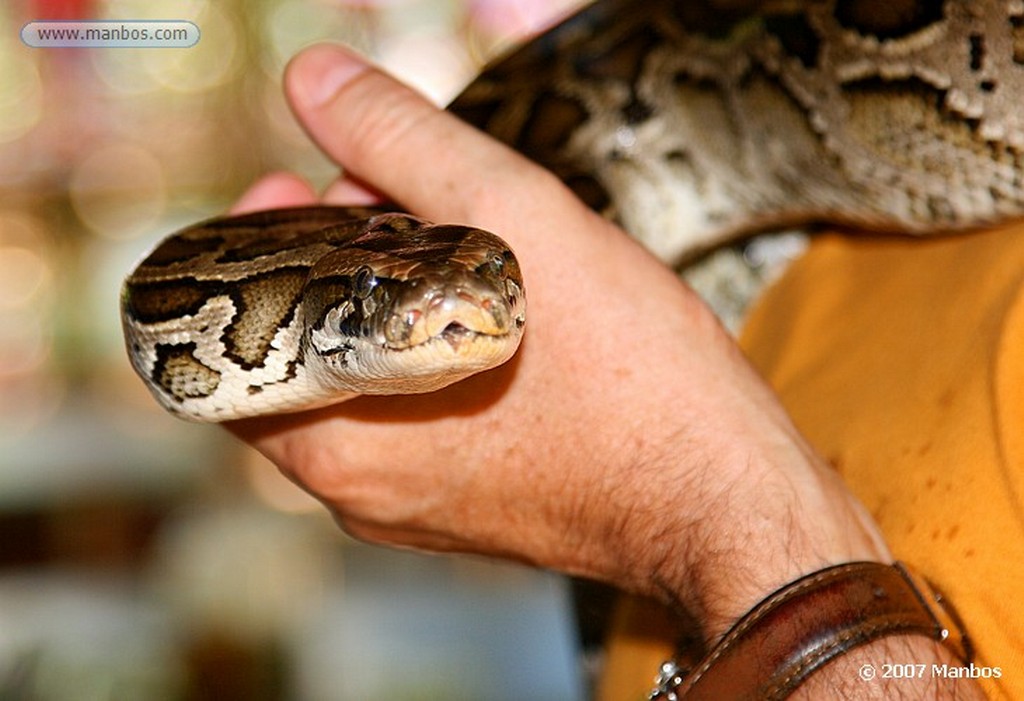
456	347
455	335
460	341
454	319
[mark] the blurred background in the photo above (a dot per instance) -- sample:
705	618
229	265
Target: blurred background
145	558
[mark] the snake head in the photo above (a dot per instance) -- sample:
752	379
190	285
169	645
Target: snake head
413	307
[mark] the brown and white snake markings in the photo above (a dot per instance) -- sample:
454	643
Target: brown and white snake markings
690	121
292	309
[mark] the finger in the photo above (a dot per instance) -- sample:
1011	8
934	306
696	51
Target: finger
349	191
396	141
275	190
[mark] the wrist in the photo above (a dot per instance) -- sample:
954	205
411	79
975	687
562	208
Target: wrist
759	524
811	628
823	526
717	500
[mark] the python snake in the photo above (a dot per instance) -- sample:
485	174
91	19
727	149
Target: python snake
691	122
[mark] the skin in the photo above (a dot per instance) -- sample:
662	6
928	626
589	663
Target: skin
628	441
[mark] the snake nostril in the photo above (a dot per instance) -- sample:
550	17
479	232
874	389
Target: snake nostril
436	300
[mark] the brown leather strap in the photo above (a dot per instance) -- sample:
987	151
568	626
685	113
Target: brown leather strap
804	625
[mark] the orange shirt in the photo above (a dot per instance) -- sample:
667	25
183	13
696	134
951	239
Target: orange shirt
902	360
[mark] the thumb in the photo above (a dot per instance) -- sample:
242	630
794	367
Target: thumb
388	136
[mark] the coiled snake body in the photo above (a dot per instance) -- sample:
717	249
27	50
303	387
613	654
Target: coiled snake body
689	121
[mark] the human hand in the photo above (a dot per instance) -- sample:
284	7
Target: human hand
628	440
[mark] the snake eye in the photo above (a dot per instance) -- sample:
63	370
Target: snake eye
363	282
496	265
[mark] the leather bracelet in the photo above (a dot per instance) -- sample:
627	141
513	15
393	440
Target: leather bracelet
769	652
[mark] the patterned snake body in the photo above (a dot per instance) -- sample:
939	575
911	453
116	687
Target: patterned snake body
693	121
296	308
689	121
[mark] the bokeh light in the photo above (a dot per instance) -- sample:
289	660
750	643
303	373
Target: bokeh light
118	190
175	534
214	61
21	94
23	274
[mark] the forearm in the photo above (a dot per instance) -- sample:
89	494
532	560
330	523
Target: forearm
755	533
736	507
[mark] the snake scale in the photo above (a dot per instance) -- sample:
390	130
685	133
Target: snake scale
691	122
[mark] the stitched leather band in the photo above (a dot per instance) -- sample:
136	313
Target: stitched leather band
809	622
